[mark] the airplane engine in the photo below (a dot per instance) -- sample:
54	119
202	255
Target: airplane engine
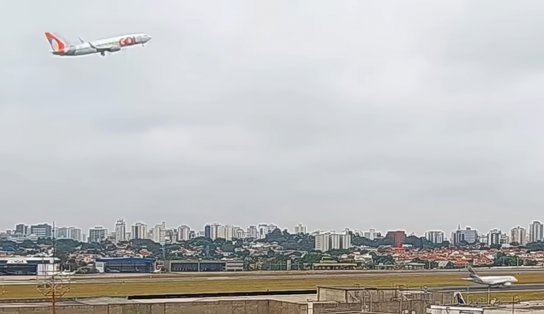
507	284
114	49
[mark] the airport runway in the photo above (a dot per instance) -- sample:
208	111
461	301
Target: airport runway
236	276
530	280
252	275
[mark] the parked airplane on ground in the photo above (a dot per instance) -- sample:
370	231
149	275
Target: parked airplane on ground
491	281
64	48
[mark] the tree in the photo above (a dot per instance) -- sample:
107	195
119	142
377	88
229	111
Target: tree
312	257
28	244
362	241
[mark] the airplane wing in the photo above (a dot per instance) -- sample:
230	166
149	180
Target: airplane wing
105	49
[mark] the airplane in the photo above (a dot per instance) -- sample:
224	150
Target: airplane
62	47
491	281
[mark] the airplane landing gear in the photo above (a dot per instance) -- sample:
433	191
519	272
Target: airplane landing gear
103	53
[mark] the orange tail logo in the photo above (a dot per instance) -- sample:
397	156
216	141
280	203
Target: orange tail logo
56	43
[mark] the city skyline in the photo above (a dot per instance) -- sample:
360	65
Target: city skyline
445	226
123	231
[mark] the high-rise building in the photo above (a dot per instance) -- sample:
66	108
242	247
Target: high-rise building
229	232
139	231
184	233
322	242
300	228
170	235
331	240
371	234
466	236
397	237
159	233
505	239
252	232
214	231
221	232
22	229
436	237
41	230
238	233
265	229
518	235
97	234
120	231
536	231
208	231
72	233
494	237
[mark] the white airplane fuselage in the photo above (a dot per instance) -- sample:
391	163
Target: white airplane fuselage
112	44
494	280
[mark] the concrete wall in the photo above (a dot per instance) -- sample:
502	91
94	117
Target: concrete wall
409	307
355	295
331	294
330	307
282	307
198	307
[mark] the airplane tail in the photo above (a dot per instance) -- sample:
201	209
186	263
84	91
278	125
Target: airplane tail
472	272
459	298
57	43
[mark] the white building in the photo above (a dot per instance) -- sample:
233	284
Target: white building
139	231
322	242
216	231
238	233
252	232
158	233
332	241
120	231
72	233
300	228
505	239
536	231
371	234
467	235
184	233
519	235
494	237
435	236
265	229
97	234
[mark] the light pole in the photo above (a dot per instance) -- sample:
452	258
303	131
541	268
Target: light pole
51	286
514	299
55	289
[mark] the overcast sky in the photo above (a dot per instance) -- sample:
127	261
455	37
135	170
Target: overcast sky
361	114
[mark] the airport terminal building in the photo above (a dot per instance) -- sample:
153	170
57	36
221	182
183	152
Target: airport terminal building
204	266
125	265
28	265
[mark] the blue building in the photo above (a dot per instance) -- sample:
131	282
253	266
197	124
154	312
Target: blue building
125	265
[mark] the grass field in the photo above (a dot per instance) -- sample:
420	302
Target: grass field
188	285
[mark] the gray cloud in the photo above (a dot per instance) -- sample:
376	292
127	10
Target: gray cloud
359	114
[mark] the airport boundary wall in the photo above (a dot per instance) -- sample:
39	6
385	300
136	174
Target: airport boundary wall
195	307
